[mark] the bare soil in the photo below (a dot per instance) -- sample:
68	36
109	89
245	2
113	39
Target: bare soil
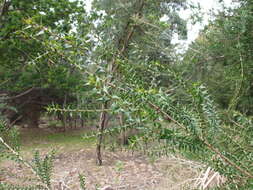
121	170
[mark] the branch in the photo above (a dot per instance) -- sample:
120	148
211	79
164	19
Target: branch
19	95
78	110
245	172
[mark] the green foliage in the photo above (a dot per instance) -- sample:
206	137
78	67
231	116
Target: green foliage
82	182
43	167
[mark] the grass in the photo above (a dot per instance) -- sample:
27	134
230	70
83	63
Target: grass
32	139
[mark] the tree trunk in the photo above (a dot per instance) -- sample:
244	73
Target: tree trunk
102	126
82	122
64	118
123	136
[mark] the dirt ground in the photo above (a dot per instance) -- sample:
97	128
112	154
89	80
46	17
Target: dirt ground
121	170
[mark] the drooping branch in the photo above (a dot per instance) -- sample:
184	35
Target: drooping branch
167	117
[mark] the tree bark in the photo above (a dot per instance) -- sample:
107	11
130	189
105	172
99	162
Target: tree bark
64	117
102	126
123	135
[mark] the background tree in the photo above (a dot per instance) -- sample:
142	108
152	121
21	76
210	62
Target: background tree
221	58
27	61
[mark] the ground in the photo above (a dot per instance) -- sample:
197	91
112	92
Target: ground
122	170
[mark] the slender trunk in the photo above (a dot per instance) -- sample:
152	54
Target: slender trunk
82	122
102	126
76	118
123	130
64	119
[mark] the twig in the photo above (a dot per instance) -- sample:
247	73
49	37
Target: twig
210	180
205	177
78	110
13	122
